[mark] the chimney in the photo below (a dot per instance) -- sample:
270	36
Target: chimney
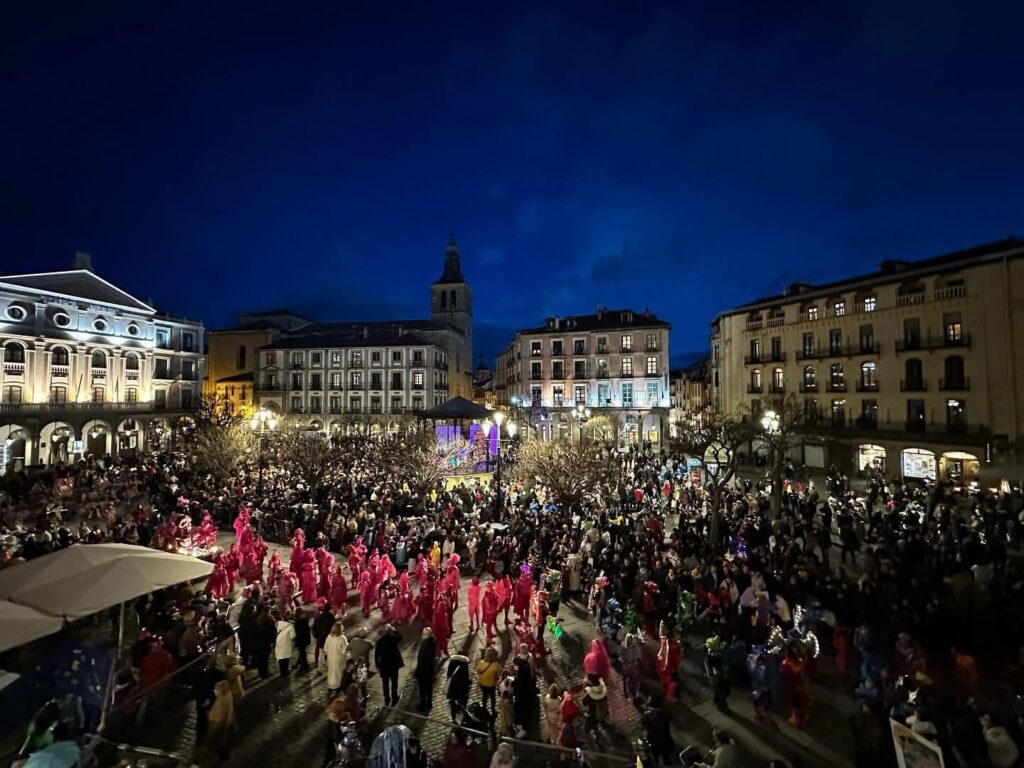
83	261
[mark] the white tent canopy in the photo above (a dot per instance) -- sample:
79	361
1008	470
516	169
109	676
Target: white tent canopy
87	578
20	624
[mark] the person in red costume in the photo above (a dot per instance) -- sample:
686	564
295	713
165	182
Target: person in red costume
650	606
420	574
373	566
452	580
490	605
308	576
794	673
366	592
356	556
325	569
339	593
523	594
250	571
217	586
425	603
670	654
596	662
276	568
504	589
473	603
385	570
298	547
403	610
441	626
287	584
205	536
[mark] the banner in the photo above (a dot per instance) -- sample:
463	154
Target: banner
914	751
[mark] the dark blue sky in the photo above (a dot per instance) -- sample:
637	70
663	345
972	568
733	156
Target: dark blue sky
218	157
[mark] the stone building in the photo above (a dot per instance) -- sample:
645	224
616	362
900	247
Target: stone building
614	362
89	369
915	367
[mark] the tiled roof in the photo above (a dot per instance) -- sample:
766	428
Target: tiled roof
236	377
336	340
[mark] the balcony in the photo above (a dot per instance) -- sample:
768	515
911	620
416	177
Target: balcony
953	292
296	366
752	360
867	386
808	386
910	299
61	371
417	386
915	344
162	374
868	347
397	385
67	407
835	386
14	369
98	373
775	322
270	386
777	389
754	389
602	373
753	325
132	374
652	348
954	385
626	350
443	366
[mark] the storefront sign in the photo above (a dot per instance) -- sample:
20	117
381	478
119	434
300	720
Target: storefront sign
918	464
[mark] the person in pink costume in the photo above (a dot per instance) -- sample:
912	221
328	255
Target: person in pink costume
403	609
452	579
385	570
366	592
473	603
386	595
240	522
523	594
504	589
287	583
308	576
298	547
205	536
339	592
217	585
260	547
597	662
250	571
442	626
233	563
490	606
276	569
325	569
373	566
356	556
421	571
425	603
246	541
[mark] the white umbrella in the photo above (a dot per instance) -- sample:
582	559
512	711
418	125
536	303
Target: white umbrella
20	624
88	578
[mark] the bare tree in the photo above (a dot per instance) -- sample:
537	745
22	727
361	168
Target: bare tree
220	448
568	470
421	459
308	455
782	428
714	443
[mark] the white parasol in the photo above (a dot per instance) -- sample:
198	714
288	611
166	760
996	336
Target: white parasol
20	624
87	578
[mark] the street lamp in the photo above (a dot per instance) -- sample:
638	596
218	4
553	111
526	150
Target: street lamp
263	422
499	419
583	416
771	425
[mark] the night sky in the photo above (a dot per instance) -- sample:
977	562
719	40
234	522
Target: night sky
220	157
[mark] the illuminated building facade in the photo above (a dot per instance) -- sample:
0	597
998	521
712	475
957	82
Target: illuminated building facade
614	362
89	369
915	368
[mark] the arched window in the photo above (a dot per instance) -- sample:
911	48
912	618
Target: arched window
444	300
242	354
954	372
913	375
810	375
99	360
14	353
453	300
869	375
777	382
59	356
131	363
755	379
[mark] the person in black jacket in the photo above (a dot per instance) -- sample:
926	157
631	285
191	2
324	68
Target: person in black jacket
458	684
388	658
425	669
659	737
302	639
322	625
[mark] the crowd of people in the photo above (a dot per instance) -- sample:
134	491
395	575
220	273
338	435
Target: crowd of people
909	596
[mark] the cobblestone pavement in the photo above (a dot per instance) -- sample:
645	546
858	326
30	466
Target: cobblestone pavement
282	721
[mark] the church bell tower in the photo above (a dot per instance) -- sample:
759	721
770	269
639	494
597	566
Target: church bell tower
451	303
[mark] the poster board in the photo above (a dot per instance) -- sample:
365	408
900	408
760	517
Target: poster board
914	751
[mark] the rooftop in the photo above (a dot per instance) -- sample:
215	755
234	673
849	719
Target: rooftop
602	320
337	340
892	271
236	377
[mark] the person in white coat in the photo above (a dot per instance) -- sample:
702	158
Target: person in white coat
284	645
336	654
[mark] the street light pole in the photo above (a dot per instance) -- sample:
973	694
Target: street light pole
583	416
262	422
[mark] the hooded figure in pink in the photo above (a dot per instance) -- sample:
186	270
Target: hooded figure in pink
339	592
523	594
276	569
287	583
308	576
490	609
366	592
325	568
597	662
298	547
504	589
473	603
403	608
452	579
441	625
217	586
